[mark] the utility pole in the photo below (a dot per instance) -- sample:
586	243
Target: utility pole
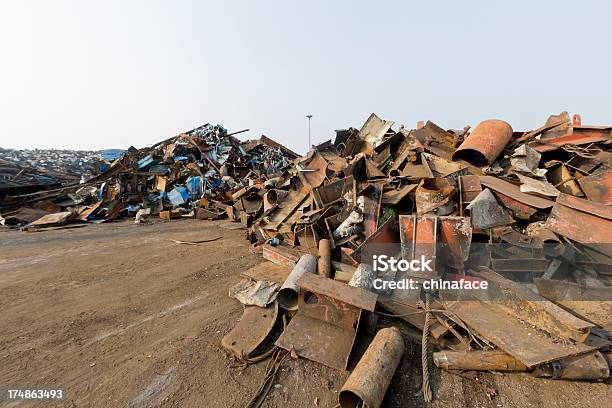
309	116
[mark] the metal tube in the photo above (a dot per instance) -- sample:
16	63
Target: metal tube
324	263
369	381
288	294
272	197
493	360
485	143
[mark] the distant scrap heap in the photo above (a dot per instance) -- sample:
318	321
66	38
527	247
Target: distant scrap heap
176	173
27	171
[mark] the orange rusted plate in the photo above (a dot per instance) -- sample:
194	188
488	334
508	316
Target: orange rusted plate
581	220
418	236
470	188
447	238
372	203
385	241
455	238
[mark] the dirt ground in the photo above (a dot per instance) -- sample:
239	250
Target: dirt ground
119	315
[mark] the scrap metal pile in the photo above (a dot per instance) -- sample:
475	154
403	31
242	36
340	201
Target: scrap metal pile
526	212
189	175
59	166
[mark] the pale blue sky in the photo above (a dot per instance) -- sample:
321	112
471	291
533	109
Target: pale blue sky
107	74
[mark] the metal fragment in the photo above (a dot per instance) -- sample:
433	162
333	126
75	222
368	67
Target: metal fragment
435	194
540	187
485	211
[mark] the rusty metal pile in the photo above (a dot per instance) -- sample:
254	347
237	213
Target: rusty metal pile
515	229
190	175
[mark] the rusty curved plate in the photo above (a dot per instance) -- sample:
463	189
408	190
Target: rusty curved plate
251	331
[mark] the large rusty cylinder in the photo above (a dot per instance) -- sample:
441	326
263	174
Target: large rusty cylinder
493	360
369	381
272	197
288	294
324	268
485	143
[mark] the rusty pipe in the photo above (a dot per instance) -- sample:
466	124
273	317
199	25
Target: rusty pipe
369	381
493	360
485	143
288	294
272	197
324	263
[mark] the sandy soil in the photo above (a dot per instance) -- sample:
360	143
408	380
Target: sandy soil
119	315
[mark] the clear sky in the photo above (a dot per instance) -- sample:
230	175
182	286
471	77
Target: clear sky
110	74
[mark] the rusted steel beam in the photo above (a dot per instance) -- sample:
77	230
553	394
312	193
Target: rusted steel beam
368	383
577	138
581	220
280	255
515	192
372	203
